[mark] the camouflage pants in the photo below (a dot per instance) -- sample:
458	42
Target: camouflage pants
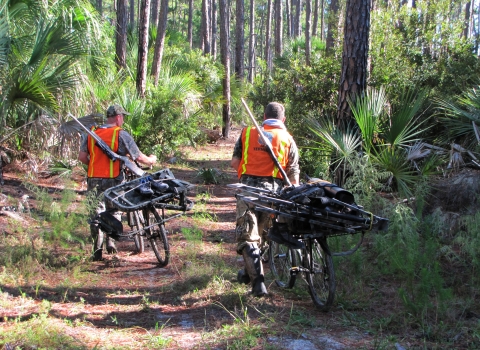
96	187
250	225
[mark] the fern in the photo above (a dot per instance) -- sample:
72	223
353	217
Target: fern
468	240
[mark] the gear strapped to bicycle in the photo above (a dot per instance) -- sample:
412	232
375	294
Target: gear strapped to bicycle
297	243
145	200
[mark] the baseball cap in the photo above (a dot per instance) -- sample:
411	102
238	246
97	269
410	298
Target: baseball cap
114	110
275	110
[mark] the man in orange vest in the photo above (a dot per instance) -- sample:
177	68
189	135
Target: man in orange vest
103	173
256	168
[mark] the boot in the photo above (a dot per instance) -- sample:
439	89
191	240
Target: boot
111	249
253	265
158	187
243	277
110	224
97	236
144	189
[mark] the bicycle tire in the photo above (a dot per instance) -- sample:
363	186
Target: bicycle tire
138	225
157	235
321	276
282	259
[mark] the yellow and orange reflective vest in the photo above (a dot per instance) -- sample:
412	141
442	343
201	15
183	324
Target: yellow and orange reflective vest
256	159
100	165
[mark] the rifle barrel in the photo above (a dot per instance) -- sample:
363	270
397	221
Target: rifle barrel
268	145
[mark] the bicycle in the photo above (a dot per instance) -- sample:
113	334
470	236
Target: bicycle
142	210
314	211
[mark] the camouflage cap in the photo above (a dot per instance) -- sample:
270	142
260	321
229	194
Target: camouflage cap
114	110
275	110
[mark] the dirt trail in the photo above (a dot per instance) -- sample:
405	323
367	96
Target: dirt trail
127	301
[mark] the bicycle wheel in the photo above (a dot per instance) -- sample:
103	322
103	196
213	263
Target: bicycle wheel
138	224
319	273
157	235
282	259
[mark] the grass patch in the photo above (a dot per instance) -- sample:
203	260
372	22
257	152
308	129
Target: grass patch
40	332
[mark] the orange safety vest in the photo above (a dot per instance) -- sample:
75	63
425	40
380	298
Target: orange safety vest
256	159
100	165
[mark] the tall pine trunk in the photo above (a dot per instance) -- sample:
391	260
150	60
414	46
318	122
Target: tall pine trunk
332	25
268	34
214	29
239	39
205	28
278	28
298	15
251	43
154	13
315	19
160	41
288	6
132	13
144	19
308	19
190	23
354	58
225	55
121	35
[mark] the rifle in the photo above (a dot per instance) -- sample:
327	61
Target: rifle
268	145
108	151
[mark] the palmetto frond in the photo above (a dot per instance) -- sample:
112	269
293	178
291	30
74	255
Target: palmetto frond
178	87
343	144
367	111
395	162
71	128
43	61
4	34
457	117
403	126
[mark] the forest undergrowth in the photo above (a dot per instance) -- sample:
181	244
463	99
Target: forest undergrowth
414	286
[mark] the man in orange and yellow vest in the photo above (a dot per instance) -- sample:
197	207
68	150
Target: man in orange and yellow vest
256	168
103	173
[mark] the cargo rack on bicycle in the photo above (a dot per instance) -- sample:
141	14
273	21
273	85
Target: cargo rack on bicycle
316	209
126	196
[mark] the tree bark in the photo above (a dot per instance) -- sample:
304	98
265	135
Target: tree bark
354	57
144	19
206	26
288	15
332	20
298	14
190	23
132	12
251	44
214	30
239	39
278	28
121	35
466	29
160	41
225	56
154	13
315	19
322	19
268	31
308	19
